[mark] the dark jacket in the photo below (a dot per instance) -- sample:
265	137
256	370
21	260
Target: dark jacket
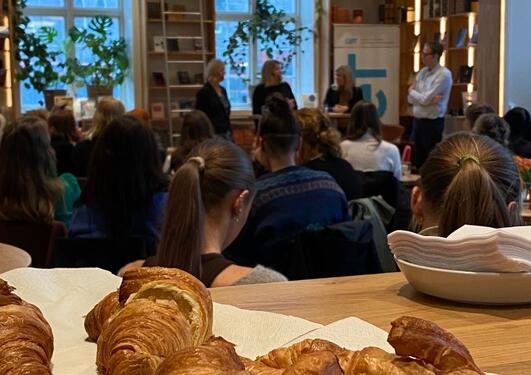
208	101
63	154
261	93
332	97
81	157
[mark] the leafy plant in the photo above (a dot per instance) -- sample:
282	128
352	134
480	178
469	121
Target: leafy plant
111	63
269	26
36	64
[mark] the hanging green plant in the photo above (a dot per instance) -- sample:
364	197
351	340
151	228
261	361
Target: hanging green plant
272	28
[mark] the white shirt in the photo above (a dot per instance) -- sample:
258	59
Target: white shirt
430	83
366	155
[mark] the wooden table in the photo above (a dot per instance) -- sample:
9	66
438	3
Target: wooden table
499	338
526	214
410	179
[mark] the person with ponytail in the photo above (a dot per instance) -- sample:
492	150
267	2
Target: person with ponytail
209	201
467	179
290	198
320	151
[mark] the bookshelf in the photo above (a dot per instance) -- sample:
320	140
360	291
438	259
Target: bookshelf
177	49
455	24
8	94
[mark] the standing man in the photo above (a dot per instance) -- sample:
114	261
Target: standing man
429	96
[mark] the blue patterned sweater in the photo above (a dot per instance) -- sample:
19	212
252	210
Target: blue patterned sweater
286	203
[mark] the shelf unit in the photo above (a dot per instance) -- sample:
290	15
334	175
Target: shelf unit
8	90
177	49
458	53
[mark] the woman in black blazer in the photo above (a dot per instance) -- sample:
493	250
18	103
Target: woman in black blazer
212	99
270	84
341	97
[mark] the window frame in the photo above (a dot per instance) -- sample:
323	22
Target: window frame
254	73
69	12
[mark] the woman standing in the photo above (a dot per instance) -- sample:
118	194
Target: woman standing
341	97
212	99
271	83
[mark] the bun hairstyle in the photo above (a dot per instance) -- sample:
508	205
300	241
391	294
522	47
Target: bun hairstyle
317	132
213	169
278	127
364	118
470	179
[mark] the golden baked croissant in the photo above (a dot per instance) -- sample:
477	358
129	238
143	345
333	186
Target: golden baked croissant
26	340
100	314
425	340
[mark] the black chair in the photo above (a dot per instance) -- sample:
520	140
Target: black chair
342	249
107	253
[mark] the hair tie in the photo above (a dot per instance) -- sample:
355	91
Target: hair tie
463	159
199	161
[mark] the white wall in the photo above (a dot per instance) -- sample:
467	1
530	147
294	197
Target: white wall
517	54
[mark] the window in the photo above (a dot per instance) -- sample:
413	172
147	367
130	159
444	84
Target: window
62	15
298	75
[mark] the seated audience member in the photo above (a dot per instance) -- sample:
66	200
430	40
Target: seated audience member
212	194
320	150
196	128
29	186
41	113
272	83
467	179
63	133
520	138
124	195
364	147
140	114
493	126
290	198
213	100
107	109
341	97
474	110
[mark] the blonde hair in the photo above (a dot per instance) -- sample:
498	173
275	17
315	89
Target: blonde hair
108	109
317	132
345	91
213	67
267	72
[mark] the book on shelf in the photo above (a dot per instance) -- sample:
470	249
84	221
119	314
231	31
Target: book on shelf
185	103
173	45
177	8
158	79
474	38
461	6
158	43
460	37
154	11
198	44
198	78
465	73
157	111
183	77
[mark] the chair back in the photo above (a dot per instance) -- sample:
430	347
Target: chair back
106	253
12	257
37	239
392	133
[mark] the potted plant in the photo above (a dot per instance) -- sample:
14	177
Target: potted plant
110	65
272	28
36	65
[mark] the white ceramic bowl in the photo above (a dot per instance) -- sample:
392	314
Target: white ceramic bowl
471	287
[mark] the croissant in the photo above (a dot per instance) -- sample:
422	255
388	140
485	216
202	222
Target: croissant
172	283
425	340
100	314
140	336
26	344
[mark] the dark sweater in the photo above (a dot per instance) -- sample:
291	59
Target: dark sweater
63	154
347	178
208	101
261	93
81	157
332	97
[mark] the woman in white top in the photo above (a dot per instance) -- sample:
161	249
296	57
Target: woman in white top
364	147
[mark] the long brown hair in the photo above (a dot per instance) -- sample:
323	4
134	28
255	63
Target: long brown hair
318	133
108	109
29	187
345	91
364	118
267	72
62	124
214	169
470	179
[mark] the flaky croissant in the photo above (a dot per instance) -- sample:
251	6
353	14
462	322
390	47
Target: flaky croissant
26	340
100	313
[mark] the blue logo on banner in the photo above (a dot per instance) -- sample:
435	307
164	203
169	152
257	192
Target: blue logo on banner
367	88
